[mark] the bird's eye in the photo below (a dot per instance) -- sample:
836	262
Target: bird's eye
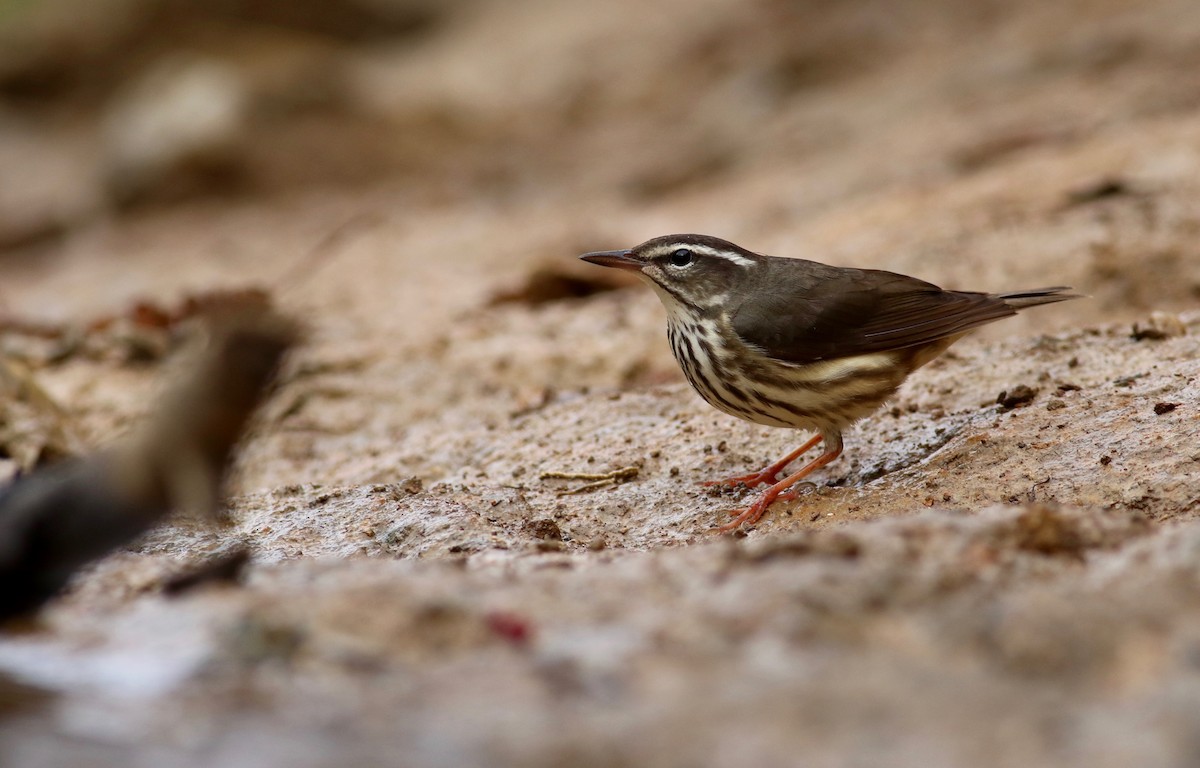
682	258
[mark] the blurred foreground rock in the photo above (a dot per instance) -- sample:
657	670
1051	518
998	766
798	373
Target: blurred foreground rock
986	566
55	521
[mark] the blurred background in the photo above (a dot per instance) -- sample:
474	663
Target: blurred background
985	144
416	177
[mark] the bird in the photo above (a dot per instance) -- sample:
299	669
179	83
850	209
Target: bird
789	342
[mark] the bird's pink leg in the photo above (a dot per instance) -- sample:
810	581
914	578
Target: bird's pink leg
770	474
756	510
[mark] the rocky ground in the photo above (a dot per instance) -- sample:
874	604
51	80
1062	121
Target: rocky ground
1002	569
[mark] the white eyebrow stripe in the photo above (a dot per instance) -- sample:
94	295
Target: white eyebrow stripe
730	256
736	258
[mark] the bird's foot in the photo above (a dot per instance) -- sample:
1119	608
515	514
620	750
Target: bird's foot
748	516
768	476
755	511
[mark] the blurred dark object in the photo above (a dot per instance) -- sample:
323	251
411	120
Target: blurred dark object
56	521
556	282
1098	189
224	567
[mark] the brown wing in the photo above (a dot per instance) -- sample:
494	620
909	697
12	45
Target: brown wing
817	312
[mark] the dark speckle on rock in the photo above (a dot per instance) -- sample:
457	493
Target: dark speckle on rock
1020	395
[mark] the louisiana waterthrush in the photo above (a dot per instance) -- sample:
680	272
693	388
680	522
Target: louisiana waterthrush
795	343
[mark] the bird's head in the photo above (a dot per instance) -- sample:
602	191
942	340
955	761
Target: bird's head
696	271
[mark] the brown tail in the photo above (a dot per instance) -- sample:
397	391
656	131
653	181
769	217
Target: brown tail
1023	299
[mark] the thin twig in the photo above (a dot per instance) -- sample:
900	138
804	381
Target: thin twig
595	479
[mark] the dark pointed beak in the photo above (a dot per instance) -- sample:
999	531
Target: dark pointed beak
619	259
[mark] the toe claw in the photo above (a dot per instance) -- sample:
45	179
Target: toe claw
748	516
755	511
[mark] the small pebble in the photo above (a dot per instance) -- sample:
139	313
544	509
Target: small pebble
1022	394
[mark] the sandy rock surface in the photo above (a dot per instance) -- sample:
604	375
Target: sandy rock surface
985	578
